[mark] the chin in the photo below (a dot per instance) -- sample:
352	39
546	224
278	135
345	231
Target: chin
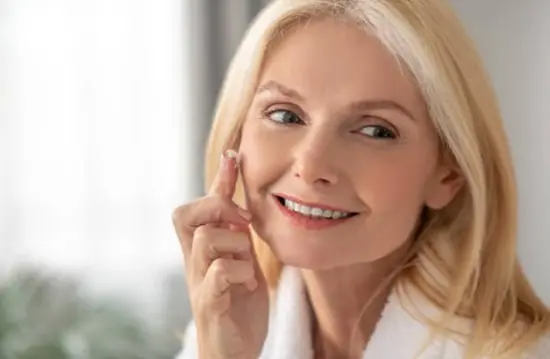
306	257
316	257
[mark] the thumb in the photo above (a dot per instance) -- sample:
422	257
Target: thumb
226	177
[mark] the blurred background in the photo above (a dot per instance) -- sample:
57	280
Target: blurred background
104	109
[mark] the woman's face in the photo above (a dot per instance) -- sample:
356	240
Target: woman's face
338	153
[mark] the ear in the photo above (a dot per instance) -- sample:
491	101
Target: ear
444	186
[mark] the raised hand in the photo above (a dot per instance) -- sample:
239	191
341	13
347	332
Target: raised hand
228	292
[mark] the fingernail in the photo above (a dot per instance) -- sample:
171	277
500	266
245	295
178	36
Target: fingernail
232	155
245	214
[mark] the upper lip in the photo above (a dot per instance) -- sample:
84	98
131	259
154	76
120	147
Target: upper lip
312	204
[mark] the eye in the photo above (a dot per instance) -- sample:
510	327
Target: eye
284	117
379	132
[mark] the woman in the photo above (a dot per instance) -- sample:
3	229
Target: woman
375	202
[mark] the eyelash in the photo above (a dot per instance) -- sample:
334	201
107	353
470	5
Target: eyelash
388	135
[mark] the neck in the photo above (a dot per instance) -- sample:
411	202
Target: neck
346	304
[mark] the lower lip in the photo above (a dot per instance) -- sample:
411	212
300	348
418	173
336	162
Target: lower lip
308	223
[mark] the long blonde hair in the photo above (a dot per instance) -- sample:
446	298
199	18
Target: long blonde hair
465	260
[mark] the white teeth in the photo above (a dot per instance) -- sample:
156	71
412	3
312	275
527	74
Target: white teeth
313	211
317	212
290	205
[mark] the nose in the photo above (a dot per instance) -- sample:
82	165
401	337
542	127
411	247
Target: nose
314	159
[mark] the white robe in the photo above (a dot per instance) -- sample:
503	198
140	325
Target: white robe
397	335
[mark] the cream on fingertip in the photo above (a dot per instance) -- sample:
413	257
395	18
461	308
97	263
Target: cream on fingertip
232	154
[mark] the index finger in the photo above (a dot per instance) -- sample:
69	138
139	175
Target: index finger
226	178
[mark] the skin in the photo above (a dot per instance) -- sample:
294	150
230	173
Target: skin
378	160
307	136
226	287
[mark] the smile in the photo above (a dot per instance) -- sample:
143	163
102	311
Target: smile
315	212
312	216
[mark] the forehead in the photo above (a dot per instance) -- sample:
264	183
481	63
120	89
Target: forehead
337	62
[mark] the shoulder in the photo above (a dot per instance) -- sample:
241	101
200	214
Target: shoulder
410	310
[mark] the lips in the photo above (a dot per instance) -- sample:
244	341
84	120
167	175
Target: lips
311	215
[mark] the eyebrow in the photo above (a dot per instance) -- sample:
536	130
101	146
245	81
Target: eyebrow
271	86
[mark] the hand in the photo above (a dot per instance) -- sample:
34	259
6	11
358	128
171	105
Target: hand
228	291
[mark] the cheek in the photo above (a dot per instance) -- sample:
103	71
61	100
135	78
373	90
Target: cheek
261	155
395	181
262	163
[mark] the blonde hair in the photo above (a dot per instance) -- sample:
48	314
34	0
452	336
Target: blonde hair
465	259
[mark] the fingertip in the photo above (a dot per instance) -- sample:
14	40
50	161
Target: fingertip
230	153
226	177
240	227
231	156
251	284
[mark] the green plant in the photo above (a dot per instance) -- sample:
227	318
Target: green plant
47	317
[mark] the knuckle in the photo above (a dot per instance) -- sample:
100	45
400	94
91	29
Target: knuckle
176	215
219	268
199	233
217	212
201	236
180	213
200	204
221	207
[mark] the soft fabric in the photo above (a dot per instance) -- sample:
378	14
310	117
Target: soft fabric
398	335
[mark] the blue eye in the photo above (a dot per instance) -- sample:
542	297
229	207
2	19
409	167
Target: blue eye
379	132
283	117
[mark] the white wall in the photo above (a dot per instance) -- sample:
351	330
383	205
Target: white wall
93	107
514	39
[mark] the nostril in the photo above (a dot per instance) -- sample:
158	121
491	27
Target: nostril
319	179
